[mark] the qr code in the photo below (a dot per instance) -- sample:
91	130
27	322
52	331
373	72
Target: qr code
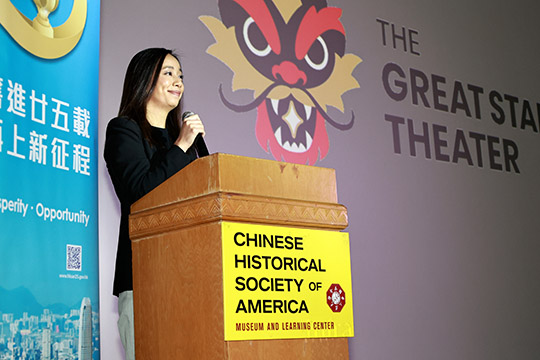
74	258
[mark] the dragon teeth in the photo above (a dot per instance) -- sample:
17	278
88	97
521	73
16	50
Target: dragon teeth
275	104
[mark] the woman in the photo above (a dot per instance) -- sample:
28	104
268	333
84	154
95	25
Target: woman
144	146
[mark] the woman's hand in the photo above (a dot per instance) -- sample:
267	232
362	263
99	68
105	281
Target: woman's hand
191	127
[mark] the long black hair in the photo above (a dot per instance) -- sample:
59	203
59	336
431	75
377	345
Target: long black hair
141	78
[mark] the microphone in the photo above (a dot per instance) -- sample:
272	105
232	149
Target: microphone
199	143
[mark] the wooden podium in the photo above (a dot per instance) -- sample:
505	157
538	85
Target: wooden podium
177	258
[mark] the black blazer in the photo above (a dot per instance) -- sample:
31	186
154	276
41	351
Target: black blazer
135	169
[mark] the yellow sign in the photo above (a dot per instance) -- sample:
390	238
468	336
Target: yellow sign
38	36
286	283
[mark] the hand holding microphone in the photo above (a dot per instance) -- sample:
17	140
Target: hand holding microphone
191	134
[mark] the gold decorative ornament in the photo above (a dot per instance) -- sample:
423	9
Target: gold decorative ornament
38	36
41	22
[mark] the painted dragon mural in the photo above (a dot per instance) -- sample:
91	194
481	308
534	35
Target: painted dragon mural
291	54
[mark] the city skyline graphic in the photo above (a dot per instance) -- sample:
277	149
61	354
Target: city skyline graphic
29	331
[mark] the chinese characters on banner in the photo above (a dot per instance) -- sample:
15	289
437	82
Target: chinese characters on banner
40	111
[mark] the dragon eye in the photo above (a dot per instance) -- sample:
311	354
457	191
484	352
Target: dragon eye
254	38
317	56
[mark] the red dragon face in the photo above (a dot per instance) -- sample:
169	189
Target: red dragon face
291	53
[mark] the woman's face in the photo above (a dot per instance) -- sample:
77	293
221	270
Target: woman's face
169	86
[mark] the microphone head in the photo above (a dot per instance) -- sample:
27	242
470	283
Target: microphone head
199	144
187	114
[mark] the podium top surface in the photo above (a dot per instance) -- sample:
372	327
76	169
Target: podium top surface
243	175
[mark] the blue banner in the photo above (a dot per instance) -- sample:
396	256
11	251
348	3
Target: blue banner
49	300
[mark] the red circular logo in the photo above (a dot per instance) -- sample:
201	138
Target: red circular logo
335	298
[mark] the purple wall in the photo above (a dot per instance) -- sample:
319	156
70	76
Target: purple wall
445	256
